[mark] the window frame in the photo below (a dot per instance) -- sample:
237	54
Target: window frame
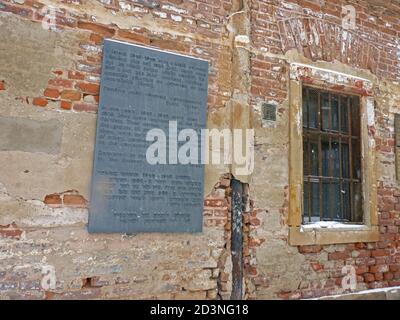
334	135
307	234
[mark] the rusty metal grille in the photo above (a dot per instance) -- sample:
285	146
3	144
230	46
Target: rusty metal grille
331	157
269	112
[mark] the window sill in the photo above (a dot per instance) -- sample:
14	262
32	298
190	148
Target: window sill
331	225
314	234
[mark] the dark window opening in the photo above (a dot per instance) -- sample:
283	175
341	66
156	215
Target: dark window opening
331	157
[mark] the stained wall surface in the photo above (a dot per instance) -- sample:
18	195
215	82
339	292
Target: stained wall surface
50	64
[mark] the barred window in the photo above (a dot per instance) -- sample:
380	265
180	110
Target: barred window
331	157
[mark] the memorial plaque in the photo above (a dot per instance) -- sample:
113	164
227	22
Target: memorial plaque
144	89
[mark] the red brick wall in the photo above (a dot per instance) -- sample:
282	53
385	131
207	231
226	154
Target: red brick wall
314	29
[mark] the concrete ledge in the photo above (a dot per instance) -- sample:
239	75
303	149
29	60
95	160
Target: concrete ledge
332	236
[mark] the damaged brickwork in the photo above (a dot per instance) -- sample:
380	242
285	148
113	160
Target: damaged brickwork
50	60
311	33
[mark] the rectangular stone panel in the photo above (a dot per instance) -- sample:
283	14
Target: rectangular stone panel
143	89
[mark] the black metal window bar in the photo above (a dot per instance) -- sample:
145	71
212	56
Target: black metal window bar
331	157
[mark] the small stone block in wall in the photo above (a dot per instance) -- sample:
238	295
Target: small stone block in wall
10	231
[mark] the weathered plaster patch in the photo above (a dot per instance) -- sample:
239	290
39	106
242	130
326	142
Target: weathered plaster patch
217	119
125	20
370	111
298	70
398	48
4	196
32	52
176	18
127	7
174	9
32	175
339	70
242	39
282	265
21	134
33	213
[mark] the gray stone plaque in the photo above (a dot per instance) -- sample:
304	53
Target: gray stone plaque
144	89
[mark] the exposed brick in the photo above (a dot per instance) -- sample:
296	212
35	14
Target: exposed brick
91	88
380	252
362	269
254	221
41	102
53	200
24	12
209	202
388	276
338	255
317	266
85	107
361	253
309	249
2	85
394	267
10	231
66	105
379	268
225	183
51	93
64	83
74	200
97	28
71	95
360	245
75	75
95	281
135	37
96	38
170	45
87	293
378	276
369	277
